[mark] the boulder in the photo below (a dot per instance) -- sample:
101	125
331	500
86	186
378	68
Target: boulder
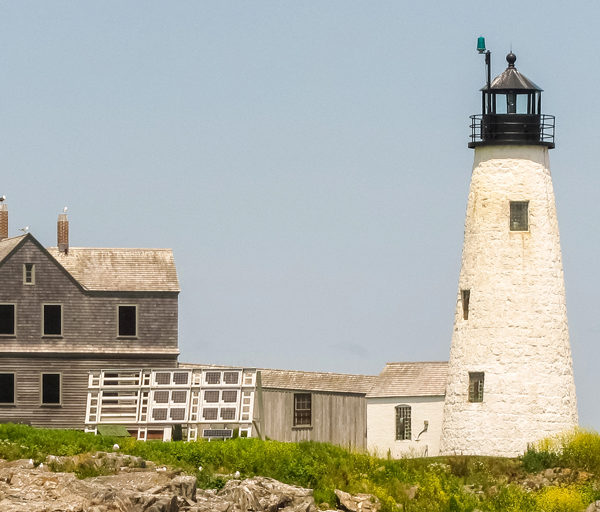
357	502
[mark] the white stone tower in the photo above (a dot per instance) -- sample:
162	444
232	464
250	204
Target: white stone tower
510	378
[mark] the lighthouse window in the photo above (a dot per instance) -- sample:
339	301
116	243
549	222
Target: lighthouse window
465	296
476	386
519	215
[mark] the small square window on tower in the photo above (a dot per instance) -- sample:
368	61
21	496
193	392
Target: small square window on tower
476	386
465	296
519	215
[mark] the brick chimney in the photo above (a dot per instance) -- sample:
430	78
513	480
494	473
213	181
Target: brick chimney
62	233
3	220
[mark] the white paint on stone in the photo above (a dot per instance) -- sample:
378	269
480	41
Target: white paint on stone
517	331
381	426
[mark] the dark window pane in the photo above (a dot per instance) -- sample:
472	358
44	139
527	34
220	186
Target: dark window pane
7	388
211	397
302	409
230	377
127	321
7	318
51	388
476	386
519	216
52	320
29	273
466	296
403	423
213	377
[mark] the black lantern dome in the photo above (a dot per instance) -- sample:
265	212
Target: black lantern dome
511	106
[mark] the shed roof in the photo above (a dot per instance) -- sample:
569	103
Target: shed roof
411	379
317	381
110	269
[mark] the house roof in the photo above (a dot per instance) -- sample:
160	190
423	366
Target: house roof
110	269
8	244
317	381
411	379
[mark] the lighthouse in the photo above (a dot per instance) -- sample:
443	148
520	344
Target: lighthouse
510	376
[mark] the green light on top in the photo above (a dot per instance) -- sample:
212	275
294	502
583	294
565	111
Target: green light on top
481	44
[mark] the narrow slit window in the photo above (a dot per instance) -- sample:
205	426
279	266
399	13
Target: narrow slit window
7	319
476	386
52	320
302	409
519	215
51	388
403	423
127	320
465	296
7	388
28	273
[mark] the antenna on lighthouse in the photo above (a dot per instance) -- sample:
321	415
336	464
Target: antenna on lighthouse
488	58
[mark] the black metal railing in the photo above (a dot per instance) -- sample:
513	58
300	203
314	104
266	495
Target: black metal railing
517	129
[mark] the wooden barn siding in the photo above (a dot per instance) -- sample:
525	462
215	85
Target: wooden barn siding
89	318
337	418
74	382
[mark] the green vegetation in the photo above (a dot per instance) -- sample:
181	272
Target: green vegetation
454	484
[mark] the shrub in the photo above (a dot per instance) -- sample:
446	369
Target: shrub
559	499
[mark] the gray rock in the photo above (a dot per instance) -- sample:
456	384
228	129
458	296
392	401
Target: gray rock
357	502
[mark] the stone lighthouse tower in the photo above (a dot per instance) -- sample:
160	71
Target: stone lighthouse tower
510	378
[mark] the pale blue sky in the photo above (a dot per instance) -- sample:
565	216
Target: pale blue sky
307	161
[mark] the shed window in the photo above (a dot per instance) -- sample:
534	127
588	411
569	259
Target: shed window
7	319
127	320
52	320
302	409
7	388
519	218
476	386
403	423
28	273
51	388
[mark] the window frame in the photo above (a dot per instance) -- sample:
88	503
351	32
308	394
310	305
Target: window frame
43	326
14	393
60	386
518	229
32	282
14	333
476	396
406	434
129	336
298	413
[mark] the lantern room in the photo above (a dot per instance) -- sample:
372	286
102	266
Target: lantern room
511	110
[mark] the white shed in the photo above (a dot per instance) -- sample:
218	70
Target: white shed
404	410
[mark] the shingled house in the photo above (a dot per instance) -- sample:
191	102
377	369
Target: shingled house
67	310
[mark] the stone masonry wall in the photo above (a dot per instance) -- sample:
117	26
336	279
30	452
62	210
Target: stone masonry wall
516	331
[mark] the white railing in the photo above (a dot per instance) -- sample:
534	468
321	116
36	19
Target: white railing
210	402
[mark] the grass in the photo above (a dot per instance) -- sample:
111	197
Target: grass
454	484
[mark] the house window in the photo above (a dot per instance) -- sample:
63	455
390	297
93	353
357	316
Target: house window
7	388
465	296
211	397
28	273
519	216
213	377
127	320
52	320
229	397
302	409
50	388
7	319
403	423
476	386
